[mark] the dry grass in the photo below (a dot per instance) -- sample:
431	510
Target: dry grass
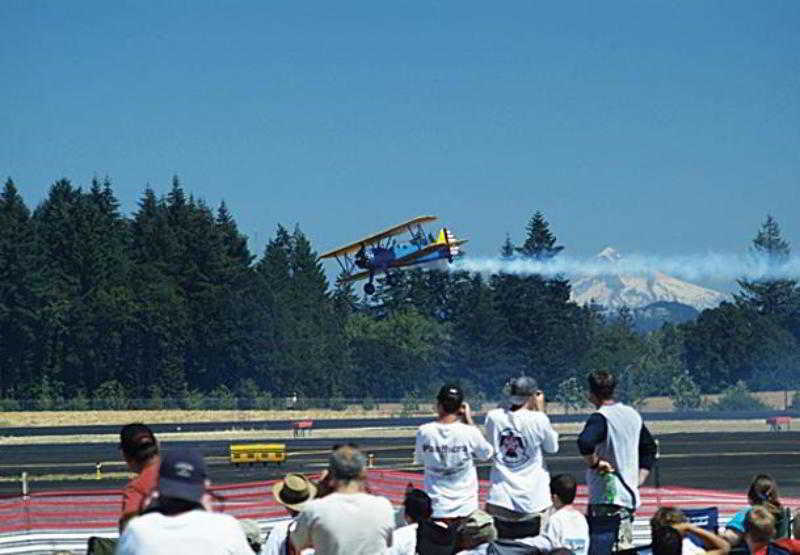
774	399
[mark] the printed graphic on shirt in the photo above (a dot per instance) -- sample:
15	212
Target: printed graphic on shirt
512	450
576	545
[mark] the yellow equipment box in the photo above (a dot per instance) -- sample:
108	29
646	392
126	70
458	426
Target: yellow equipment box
258	453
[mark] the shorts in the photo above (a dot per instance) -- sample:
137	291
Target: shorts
625	515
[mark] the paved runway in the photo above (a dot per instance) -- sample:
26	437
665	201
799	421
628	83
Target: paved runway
725	461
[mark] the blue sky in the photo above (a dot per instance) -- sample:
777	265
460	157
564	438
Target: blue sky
656	127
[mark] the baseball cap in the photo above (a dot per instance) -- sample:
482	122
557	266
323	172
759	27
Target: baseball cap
478	528
519	389
183	475
450	392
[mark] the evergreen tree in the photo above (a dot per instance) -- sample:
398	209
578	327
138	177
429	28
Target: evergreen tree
770	296
507	250
540	243
20	280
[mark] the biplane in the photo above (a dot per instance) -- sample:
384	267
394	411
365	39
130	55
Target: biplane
381	253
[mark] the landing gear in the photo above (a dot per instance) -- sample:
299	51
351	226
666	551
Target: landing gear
392	280
369	289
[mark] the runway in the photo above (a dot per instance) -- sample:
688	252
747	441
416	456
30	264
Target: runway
724	461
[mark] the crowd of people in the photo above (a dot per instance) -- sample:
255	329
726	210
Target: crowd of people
167	507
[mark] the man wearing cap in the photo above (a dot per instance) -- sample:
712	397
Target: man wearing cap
177	521
348	521
292	492
520	434
447	448
140	451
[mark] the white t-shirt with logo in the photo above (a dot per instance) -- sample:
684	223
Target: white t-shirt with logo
447	452
565	528
197	532
520	481
345	524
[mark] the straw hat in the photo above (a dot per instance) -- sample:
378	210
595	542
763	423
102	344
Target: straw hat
293	491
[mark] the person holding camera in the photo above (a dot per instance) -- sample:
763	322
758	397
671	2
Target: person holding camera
447	447
520	434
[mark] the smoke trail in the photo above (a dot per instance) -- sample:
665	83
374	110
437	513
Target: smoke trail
706	266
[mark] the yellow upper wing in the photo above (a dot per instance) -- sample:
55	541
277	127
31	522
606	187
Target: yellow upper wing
396	230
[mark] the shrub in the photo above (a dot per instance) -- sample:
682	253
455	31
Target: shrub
685	393
8	405
410	404
110	395
571	395
368	403
79	401
221	398
795	401
194	400
738	397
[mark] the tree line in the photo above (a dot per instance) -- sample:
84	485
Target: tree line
169	307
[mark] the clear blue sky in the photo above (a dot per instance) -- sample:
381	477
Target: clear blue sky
655	127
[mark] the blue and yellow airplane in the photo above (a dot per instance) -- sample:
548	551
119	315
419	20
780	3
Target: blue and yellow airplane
382	253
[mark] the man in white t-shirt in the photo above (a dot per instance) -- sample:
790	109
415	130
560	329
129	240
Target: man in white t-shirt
348	521
447	447
416	508
293	492
520	434
566	527
177	521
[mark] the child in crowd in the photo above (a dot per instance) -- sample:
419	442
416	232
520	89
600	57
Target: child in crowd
566	528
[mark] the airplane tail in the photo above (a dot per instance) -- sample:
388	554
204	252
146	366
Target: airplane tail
446	237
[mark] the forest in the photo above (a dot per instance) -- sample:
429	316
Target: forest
169	307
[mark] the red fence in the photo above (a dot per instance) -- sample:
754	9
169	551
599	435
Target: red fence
99	509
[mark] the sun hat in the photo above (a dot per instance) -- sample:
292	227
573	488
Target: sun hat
293	491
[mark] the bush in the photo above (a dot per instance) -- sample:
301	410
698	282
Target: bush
410	404
738	397
571	395
156	400
79	401
368	403
221	398
194	400
8	405
795	401
110	395
685	393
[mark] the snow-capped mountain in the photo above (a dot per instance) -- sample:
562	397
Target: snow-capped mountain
616	289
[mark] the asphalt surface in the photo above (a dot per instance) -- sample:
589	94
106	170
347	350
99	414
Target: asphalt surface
338	423
724	461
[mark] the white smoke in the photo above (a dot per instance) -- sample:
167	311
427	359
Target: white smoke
690	267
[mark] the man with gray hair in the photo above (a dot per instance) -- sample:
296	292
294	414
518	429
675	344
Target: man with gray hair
349	520
520	434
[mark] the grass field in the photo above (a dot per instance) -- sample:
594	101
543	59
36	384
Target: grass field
774	399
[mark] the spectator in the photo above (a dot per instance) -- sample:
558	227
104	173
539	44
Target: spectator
475	533
416	508
447	447
674	519
178	522
348	521
519	434
763	492
566	528
252	531
619	452
140	451
759	529
293	492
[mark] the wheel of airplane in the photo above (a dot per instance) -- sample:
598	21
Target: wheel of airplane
369	289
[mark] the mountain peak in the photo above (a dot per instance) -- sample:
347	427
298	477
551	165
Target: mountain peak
609	254
617	288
